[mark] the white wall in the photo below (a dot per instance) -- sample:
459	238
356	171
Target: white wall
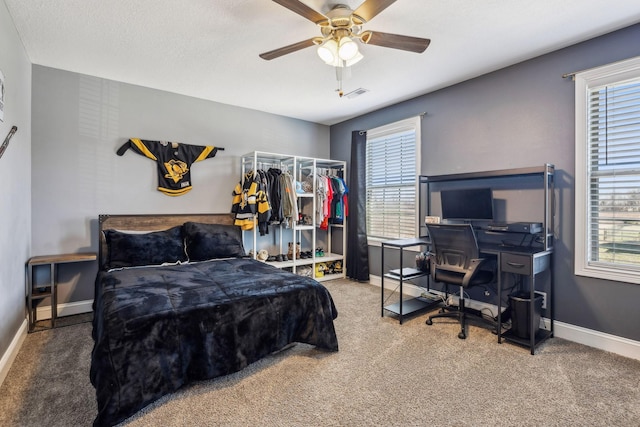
15	209
80	121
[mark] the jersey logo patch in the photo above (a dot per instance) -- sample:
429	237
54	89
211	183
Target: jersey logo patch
176	169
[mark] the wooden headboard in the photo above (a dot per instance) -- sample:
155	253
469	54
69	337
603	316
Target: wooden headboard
151	223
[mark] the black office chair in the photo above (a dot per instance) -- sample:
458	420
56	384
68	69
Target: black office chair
455	260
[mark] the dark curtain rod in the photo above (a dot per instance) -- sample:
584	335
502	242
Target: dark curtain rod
573	74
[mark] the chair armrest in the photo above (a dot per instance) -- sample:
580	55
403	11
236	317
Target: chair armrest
474	267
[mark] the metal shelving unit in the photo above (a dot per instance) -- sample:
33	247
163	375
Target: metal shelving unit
333	239
410	305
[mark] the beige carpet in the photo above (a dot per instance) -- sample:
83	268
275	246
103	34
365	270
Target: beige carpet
384	374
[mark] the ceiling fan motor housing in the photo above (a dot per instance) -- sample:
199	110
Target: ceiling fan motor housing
341	23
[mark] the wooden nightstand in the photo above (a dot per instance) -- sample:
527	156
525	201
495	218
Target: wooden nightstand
41	291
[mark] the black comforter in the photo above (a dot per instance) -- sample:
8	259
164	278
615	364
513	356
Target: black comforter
158	328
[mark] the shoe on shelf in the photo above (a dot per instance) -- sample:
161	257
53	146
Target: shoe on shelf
290	251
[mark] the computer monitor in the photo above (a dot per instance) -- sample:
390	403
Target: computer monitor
467	204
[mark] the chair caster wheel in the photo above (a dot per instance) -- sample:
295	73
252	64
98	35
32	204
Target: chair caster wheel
429	322
462	335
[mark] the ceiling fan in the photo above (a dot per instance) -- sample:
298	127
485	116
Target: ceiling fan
340	27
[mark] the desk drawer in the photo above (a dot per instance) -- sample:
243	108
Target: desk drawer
516	263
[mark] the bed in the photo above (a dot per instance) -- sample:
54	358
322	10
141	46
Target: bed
176	302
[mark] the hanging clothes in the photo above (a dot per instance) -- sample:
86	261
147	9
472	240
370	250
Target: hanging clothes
338	203
326	205
345	199
289	199
249	200
320	198
331	199
274	194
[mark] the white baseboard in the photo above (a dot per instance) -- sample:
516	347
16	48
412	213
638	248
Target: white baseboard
66	309
14	347
600	340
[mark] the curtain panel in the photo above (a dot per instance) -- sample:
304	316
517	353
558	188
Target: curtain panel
357	245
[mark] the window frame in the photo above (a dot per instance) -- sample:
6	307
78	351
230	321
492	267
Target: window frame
413	123
609	74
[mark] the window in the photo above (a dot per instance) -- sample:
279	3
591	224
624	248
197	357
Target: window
393	154
608	172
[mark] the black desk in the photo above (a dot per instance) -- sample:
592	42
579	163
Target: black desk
524	261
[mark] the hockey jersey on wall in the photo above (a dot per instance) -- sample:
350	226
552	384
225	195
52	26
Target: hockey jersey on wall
173	159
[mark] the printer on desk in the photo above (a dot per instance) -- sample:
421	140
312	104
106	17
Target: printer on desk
516	227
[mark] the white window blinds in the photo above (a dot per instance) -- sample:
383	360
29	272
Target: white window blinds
614	175
391	178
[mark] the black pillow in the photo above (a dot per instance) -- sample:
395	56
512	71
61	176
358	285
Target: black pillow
153	248
209	241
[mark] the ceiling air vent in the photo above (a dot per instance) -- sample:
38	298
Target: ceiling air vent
356	93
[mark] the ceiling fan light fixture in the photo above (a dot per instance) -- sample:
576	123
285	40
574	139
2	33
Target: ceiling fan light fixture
352	61
328	52
347	49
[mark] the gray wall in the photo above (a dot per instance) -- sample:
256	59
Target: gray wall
79	122
15	209
517	117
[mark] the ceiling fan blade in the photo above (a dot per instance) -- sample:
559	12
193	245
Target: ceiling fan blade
370	8
276	53
303	10
395	41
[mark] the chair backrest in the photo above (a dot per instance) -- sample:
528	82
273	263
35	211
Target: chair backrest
454	245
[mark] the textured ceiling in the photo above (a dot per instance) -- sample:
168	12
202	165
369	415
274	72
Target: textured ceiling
209	48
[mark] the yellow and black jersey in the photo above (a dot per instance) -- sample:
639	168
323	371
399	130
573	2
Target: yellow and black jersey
174	161
249	200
